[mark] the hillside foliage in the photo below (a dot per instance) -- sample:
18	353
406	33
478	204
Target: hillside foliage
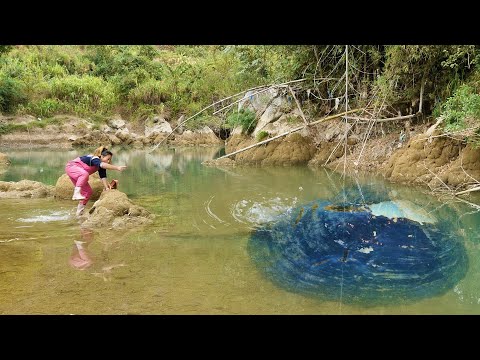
138	81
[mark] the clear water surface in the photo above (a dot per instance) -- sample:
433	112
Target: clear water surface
198	255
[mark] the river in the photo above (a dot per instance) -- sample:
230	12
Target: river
200	256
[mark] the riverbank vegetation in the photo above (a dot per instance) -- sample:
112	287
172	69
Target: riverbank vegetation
141	81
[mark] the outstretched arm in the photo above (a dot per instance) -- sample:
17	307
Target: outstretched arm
108	166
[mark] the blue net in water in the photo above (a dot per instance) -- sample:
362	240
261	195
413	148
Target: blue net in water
346	253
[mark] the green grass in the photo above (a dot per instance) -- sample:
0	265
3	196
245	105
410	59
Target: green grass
262	135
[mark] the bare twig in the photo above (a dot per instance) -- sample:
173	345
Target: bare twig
470	176
298	105
191	117
382	120
346	109
449	189
467	191
370	127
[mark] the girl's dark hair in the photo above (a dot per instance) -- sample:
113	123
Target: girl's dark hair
106	152
103	151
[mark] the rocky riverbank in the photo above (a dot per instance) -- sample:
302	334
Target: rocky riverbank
401	151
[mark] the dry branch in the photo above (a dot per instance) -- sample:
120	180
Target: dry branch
298	105
467	191
382	120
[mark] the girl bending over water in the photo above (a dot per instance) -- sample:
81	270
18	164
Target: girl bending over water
82	167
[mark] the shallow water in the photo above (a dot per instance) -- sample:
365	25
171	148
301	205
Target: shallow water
197	256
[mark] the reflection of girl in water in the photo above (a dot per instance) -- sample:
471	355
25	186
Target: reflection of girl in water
80	258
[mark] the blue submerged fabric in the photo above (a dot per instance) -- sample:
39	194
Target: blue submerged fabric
343	252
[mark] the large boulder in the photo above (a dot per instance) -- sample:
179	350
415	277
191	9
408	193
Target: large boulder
115	211
203	136
124	135
258	102
423	157
293	149
285	123
117	123
64	187
25	189
157	125
277	107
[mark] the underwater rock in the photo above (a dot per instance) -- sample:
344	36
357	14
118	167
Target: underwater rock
354	256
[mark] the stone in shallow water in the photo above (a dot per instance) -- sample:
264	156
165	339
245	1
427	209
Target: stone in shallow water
357	257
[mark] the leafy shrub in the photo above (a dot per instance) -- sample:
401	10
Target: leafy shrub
244	118
152	92
11	93
83	94
464	103
44	107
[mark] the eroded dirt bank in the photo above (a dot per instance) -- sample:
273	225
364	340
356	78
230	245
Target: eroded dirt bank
434	160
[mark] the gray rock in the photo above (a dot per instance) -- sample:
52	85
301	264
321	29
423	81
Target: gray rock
117	123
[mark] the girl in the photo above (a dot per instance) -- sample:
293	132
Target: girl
82	167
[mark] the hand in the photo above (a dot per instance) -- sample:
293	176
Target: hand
121	167
107	188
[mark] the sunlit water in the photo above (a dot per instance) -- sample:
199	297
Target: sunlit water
203	253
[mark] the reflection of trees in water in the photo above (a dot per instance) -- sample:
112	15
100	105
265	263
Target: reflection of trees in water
160	163
184	156
45	166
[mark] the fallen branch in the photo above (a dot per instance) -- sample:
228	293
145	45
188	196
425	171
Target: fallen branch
462	133
382	120
432	128
289	132
467	191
